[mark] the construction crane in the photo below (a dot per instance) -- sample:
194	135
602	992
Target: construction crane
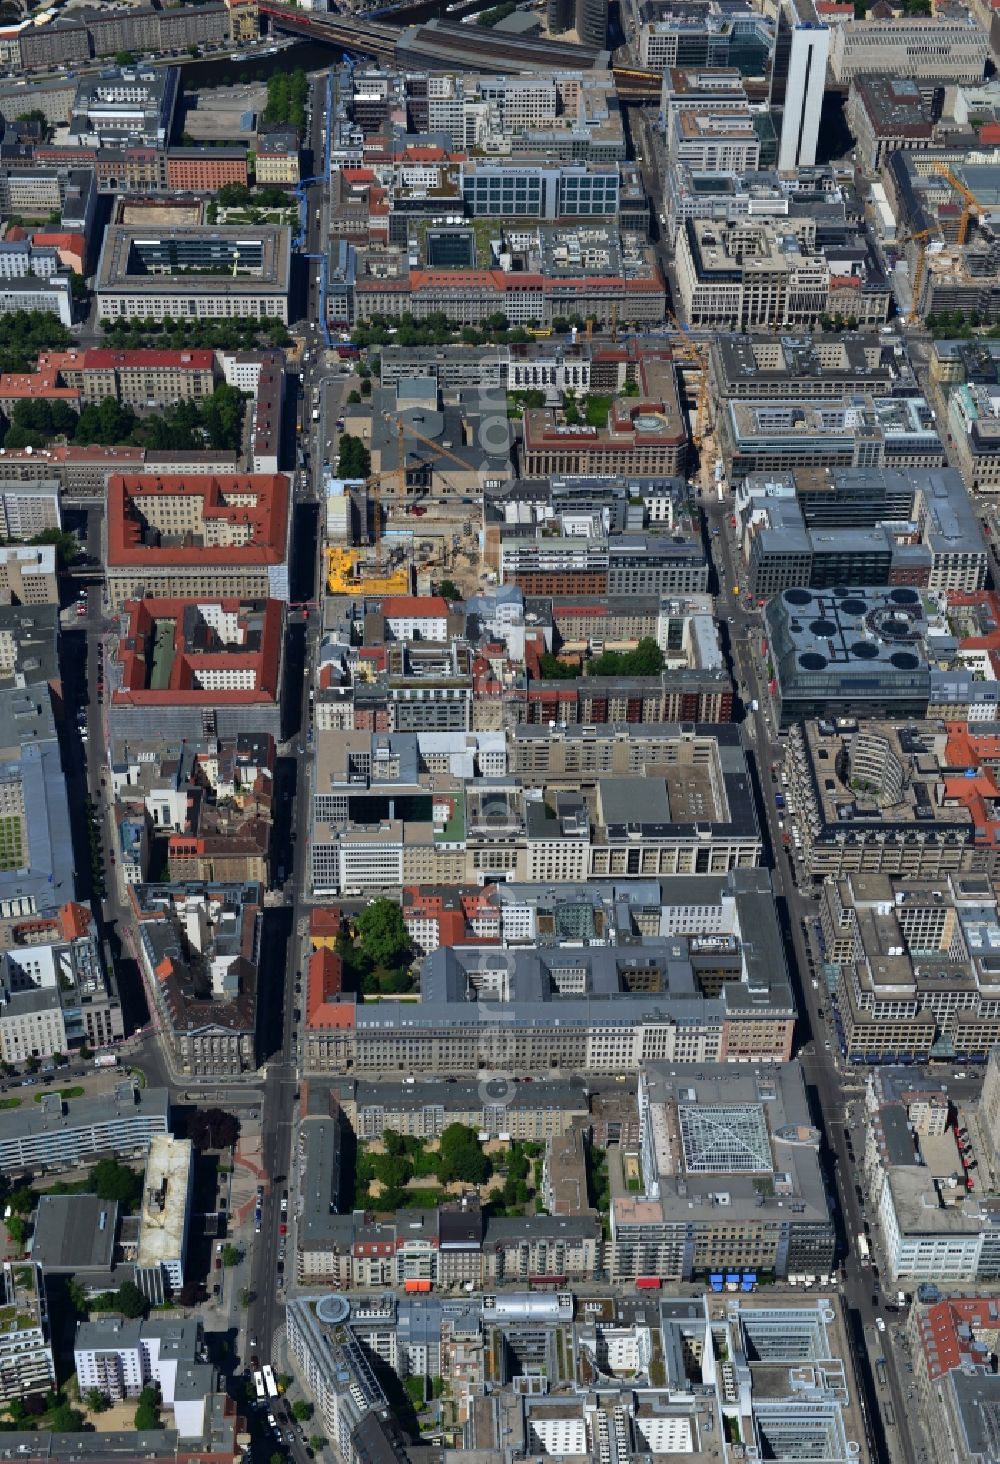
374	484
970	204
920	239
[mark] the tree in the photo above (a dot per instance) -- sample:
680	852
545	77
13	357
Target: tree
110	1180
246	1296
302	1411
354	460
277	1459
353	398
64	1419
124	58
449	590
96	1401
76	1296
317	1442
231	1256
147	1413
17	1230
460	1156
22	1200
213	1128
17	1410
416	1390
130	1301
382	934
67	547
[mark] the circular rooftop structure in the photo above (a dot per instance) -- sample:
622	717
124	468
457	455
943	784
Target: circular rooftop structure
333	1309
902	595
796	597
823	628
840	592
853	606
812	661
865	650
905	660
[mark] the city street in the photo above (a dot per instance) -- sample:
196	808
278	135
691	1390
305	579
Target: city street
831	1090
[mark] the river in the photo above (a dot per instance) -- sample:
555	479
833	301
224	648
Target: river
307	55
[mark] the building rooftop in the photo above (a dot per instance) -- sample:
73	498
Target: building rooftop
166	1193
74	1233
185	652
236	260
238	520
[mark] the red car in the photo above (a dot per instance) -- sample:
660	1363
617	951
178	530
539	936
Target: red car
282	1229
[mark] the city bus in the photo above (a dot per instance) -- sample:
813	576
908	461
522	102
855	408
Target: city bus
258	1382
269	1383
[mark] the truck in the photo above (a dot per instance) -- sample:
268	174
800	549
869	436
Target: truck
315	414
863	1251
105	1059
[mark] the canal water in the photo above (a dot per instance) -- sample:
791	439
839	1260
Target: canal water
304	55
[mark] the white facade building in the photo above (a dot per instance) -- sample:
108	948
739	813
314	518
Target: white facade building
803	97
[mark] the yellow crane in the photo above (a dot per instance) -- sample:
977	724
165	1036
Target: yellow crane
970	204
920	239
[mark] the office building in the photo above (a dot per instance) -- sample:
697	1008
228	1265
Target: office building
843	651
181	536
619	1009
588	18
887	114
125	107
181	665
199	951
161	1255
940	48
28	575
915	959
854	432
804	88
899	812
207	273
731	1179
52	296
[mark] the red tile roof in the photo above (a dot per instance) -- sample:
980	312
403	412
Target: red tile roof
101	359
145	617
414	606
324	1009
266	517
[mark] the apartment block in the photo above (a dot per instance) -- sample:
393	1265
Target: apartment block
61	1133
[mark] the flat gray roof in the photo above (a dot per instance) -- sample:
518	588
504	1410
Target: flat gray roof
75	1233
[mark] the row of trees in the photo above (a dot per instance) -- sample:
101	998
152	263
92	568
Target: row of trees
215	335
438	330
287	94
